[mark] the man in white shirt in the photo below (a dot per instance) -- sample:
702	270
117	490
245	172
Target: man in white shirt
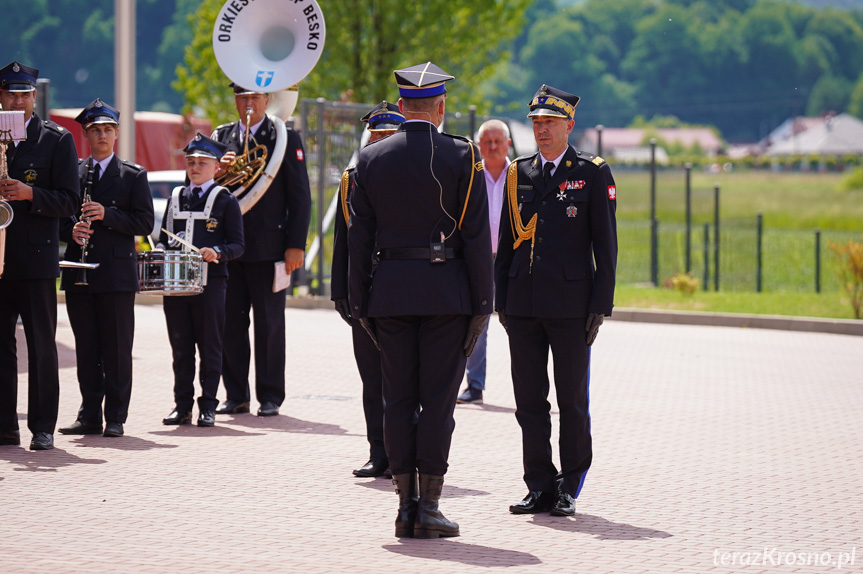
494	142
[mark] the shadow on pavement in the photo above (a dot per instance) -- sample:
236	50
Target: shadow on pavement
599	527
196	431
380	484
285	423
119	443
43	461
448	549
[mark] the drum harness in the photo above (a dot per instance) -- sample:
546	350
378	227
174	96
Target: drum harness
191	216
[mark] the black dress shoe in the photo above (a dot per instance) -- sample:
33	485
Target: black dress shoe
564	504
207	419
535	501
268	409
10	438
113	429
232	407
374	467
42	441
178	417
81	427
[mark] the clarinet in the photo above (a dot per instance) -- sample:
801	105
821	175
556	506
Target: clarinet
88	187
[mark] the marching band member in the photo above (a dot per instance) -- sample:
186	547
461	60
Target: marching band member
275	227
41	187
383	121
117	206
207	216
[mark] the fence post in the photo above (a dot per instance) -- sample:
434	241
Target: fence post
817	260
688	168
599	128
322	181
758	260
472	121
716	238
706	255
654	253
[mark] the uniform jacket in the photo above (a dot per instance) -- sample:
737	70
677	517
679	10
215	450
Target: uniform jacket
575	248
124	192
224	228
280	219
46	161
397	204
339	273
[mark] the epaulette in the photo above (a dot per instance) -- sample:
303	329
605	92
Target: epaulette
228	125
81	160
592	158
462	138
132	165
524	157
53	126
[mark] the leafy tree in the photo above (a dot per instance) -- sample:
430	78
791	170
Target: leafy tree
855	103
366	41
829	94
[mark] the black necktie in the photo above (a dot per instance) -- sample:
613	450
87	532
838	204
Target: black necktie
97	169
546	172
197	191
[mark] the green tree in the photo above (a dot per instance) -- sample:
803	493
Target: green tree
829	94
855	103
365	42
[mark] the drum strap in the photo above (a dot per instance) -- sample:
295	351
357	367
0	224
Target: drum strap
191	216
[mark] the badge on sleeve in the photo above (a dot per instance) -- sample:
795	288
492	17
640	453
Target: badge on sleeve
300	155
612	192
212	225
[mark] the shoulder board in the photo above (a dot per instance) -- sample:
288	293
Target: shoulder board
81	160
53	126
594	159
524	158
224	126
462	138
132	165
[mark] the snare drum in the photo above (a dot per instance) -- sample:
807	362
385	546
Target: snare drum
170	272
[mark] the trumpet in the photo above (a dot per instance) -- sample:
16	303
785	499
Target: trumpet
246	168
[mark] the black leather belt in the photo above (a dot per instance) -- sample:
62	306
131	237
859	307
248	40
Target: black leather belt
417	253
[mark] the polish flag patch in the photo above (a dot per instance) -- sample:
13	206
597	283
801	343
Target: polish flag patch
612	192
300	156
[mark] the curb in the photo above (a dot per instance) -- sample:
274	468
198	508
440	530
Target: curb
662	316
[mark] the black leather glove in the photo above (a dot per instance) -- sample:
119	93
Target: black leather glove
369	325
594	320
474	330
502	317
344	309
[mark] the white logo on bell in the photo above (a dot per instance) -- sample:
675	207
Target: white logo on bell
264	78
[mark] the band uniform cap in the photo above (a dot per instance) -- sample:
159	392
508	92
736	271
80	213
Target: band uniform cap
422	81
384	117
550	101
17	77
98	112
202	146
241	91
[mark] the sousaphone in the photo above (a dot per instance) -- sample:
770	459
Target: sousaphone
267	46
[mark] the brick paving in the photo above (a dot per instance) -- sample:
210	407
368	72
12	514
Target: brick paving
708	440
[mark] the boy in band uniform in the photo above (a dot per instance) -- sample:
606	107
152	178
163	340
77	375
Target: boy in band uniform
207	216
102	311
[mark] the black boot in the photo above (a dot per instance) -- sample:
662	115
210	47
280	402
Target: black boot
430	523
406	488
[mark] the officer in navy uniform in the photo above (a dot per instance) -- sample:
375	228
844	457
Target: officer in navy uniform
207	216
420	202
42	187
383	121
276	228
102	311
554	280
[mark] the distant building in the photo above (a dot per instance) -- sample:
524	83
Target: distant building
629	145
832	135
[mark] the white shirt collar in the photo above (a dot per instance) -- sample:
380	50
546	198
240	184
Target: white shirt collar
254	127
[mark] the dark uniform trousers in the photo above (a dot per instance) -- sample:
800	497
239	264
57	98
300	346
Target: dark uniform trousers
106	321
35	300
47	162
197	320
278	221
251	288
529	341
422	438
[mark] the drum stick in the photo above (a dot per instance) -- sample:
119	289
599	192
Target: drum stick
184	242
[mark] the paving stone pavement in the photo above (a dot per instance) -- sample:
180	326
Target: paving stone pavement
709	441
